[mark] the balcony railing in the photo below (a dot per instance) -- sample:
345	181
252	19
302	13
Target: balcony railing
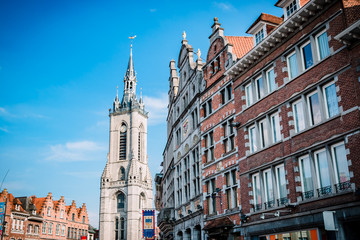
269	204
344	186
258	207
282	201
308	194
324	191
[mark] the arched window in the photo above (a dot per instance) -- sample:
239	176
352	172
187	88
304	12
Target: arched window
141	200
120	201
122	173
83	219
123	139
122	228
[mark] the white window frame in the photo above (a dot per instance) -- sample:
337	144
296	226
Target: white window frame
266	187
268	80
254	188
249	98
262	130
334	160
325	99
302	171
317	167
302	54
309	107
253	142
297	8
294	115
277	129
288	64
317	45
278	179
258	95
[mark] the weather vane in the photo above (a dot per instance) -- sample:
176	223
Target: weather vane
132	37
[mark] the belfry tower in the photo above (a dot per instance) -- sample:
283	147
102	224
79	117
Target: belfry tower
126	182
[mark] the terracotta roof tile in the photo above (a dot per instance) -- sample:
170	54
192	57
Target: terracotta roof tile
241	45
39	202
266	18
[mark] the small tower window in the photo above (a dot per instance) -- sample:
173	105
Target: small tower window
123	139
122	228
120	201
122	173
73	217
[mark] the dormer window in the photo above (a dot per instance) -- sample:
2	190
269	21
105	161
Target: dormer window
34	212
17	207
259	36
291	8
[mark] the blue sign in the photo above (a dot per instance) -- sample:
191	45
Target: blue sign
2	213
148	224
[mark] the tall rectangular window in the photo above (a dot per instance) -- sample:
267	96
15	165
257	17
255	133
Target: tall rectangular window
260	90
322	168
306	177
275	127
263	133
338	153
252	138
299	118
314	108
323	45
281	181
307	56
222	94
249	95
256	191
269	189
259	36
209	104
331	102
228	92
270	76
292	65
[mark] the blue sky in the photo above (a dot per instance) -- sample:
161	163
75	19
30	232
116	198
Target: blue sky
60	63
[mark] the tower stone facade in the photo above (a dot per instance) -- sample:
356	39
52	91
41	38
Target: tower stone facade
126	183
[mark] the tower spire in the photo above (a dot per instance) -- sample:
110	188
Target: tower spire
130	76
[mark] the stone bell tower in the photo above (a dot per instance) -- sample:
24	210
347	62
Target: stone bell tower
126	182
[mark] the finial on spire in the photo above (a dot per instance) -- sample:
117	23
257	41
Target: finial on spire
184	35
198	53
131	38
216	19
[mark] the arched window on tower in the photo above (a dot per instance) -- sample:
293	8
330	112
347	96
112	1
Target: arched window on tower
116	229
140	142
123	140
120	201
141	201
122	173
141	174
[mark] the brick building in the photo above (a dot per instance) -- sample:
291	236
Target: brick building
43	218
280	126
219	145
297	105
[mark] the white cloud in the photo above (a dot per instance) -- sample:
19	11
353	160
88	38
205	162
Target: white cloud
4	129
75	151
6	114
153	10
157	108
224	6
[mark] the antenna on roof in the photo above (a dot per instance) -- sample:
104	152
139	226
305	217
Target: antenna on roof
4	178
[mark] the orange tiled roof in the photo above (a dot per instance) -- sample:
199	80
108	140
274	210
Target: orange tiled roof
266	18
39	202
241	44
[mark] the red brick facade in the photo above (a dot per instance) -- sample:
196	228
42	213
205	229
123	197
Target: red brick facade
43	218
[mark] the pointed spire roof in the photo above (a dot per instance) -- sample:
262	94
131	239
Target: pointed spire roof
130	72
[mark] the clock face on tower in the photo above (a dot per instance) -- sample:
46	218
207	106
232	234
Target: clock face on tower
123	128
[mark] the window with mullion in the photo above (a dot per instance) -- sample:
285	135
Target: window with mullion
281	181
314	108
338	153
260	88
252	139
275	127
256	191
322	169
270	77
269	189
249	94
263	130
307	56
292	65
330	98
298	114
322	43
306	176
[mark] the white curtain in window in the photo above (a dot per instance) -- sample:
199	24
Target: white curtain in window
323	46
331	100
293	66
